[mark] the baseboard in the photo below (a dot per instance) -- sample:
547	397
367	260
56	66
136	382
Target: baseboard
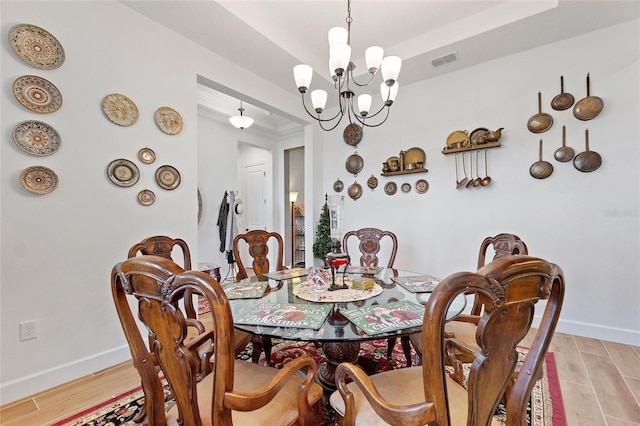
597	331
43	380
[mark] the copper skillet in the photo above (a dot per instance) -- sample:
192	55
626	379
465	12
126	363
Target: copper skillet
589	107
563	100
540	122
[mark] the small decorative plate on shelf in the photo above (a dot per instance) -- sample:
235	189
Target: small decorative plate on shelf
405	187
36	138
122	172
422	186
146	197
39	180
120	109
390	188
146	155
168	120
36	47
37	94
167	177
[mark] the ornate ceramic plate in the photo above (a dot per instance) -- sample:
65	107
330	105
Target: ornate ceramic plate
123	172
120	109
146	155
168	120
36	46
405	187
422	186
36	138
390	188
39	180
146	197
37	94
167	177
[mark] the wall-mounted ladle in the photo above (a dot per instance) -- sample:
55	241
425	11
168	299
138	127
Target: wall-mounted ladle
464	169
470	183
478	180
486	180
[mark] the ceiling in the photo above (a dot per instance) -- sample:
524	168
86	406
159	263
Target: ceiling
270	37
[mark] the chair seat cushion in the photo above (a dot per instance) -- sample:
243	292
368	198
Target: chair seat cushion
282	410
402	387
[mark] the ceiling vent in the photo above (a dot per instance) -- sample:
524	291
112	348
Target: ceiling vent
446	59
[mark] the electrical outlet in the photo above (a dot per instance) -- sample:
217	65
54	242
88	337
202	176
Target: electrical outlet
28	330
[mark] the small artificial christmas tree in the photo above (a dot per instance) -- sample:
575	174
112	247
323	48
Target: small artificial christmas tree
323	243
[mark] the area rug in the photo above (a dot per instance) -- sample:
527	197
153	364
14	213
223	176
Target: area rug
546	407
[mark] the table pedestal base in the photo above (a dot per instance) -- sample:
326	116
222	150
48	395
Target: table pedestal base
335	352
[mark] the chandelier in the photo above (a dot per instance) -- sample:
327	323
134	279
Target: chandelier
241	121
341	68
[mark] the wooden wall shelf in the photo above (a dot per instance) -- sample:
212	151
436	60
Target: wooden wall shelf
487	145
404	172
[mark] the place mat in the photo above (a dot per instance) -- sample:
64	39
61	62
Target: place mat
307	290
417	283
286	274
245	289
286	315
383	318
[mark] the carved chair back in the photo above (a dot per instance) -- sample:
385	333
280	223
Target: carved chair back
369	245
258	247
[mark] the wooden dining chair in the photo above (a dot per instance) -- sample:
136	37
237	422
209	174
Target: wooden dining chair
509	289
256	243
369	244
464	325
235	391
170	248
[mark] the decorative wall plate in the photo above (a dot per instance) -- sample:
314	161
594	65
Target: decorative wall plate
199	205
123	172
120	109
352	134
146	155
37	94
36	138
146	197
405	187
422	186
167	177
36	47
39	180
168	120
390	188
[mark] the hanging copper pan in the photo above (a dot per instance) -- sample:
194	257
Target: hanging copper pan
540	122
589	107
563	100
354	164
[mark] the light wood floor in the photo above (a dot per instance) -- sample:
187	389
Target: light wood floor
600	385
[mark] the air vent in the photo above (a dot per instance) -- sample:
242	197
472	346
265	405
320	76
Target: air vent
446	59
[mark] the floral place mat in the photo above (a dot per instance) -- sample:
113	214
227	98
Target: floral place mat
307	290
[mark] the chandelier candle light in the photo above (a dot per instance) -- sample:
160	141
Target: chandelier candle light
341	69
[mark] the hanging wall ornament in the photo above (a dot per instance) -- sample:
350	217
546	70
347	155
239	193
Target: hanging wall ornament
355	190
338	186
354	164
352	134
372	182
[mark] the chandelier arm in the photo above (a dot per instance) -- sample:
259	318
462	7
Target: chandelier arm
362	121
318	117
371	75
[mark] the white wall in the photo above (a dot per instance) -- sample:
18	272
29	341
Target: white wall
57	250
588	223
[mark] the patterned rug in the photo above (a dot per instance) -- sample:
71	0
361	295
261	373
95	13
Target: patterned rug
546	407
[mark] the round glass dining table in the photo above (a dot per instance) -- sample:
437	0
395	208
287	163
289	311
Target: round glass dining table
339	337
